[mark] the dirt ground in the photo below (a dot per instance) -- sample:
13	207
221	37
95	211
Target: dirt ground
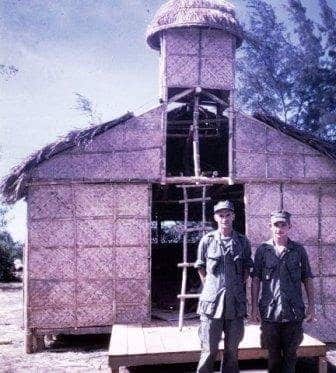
81	354
84	353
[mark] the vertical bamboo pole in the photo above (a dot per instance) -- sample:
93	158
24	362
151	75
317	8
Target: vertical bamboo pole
231	136
196	154
164	102
281	197
28	341
320	251
158	229
149	256
203	207
185	258
74	222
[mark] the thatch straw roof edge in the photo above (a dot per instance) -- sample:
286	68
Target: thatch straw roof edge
13	186
194	13
324	147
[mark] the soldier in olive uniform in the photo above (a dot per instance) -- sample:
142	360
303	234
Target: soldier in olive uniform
281	265
223	263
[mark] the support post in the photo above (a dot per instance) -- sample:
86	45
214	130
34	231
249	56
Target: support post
120	370
197	166
204	199
29	342
231	137
184	257
158	229
33	342
323	365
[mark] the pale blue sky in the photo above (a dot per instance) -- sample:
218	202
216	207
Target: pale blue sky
93	47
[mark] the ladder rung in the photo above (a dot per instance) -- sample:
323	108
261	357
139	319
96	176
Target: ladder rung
203	229
188	296
193	185
195	200
182	265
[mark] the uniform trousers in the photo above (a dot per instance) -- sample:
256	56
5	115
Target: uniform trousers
282	340
210	333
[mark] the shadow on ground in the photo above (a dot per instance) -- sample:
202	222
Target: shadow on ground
86	353
84	343
250	366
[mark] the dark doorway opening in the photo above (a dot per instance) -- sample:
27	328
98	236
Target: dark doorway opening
167	237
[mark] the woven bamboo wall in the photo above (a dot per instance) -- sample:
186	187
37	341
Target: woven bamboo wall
192	57
88	255
313	208
280	172
131	150
262	153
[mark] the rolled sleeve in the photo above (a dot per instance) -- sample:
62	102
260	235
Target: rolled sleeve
306	271
257	265
200	261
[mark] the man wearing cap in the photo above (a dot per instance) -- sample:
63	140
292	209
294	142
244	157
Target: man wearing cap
223	263
281	264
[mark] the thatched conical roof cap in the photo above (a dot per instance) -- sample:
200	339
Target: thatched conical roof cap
219	14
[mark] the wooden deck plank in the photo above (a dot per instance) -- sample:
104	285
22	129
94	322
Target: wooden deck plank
170	340
135	340
153	340
189	339
162	342
118	341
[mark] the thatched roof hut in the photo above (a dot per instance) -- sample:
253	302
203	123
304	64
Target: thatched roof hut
216	14
99	198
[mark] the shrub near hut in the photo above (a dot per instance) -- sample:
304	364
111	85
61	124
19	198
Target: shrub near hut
9	252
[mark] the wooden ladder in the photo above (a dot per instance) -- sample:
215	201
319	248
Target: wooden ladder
185	264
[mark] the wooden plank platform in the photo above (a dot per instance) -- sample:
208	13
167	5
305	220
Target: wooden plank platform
163	343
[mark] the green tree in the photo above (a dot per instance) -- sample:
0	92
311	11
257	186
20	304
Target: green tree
289	71
266	74
5	257
3	221
9	249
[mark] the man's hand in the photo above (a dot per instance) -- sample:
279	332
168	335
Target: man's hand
310	315
202	274
246	275
255	317
309	287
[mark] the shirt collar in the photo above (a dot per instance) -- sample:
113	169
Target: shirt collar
290	245
217	235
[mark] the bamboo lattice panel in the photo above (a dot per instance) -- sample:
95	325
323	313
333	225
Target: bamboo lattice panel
88	264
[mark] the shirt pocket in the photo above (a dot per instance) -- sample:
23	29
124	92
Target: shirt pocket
238	261
294	268
213	258
268	269
268	273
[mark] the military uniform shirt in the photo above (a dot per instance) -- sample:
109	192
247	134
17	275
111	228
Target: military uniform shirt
220	307
225	260
281	277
